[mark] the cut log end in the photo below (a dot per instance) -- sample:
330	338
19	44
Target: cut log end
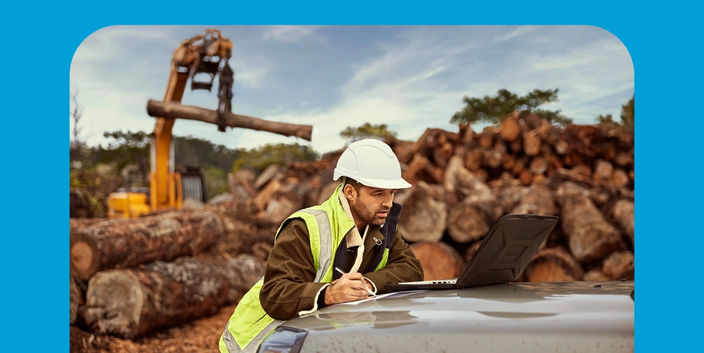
549	272
82	260
439	260
114	303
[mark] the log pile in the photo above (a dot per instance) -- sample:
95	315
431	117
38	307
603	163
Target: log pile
132	277
464	181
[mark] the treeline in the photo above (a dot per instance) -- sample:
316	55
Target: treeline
124	163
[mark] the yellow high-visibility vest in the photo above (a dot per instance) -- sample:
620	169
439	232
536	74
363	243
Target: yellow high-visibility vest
327	226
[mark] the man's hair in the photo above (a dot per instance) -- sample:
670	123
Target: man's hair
354	183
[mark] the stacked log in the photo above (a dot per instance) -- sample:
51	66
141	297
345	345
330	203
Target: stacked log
164	269
464	181
126	243
131	302
440	261
134	276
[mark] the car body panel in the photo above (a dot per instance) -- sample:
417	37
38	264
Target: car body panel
526	317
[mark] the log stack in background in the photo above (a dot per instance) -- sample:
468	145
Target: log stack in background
132	277
464	181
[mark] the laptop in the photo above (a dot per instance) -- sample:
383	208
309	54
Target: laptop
503	255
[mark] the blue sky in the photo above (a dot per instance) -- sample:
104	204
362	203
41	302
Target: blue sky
408	77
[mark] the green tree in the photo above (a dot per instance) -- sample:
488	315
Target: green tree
257	159
494	109
628	114
366	130
605	119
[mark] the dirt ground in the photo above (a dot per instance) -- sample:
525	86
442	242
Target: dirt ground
196	336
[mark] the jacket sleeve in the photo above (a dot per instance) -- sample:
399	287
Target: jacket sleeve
289	273
401	266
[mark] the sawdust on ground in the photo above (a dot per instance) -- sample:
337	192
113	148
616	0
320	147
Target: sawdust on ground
200	335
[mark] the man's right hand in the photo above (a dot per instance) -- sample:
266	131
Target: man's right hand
348	288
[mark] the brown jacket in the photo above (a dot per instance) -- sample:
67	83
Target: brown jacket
288	278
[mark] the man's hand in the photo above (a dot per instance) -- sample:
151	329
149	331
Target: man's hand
348	288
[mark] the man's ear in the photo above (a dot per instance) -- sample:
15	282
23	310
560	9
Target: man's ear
350	192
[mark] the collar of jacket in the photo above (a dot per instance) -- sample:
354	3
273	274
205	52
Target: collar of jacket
340	222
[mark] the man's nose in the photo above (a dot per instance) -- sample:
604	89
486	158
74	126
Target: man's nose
388	201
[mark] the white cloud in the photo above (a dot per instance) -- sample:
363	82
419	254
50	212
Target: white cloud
417	81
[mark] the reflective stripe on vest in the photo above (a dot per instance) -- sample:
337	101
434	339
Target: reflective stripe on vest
320	235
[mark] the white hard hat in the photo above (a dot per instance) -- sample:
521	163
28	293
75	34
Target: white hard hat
372	163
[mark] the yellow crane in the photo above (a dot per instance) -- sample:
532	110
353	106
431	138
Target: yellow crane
200	59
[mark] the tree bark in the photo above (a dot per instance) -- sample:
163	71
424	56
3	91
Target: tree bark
76	299
424	215
623	213
420	169
619	265
439	260
467	222
133	302
589	236
536	199
127	243
179	111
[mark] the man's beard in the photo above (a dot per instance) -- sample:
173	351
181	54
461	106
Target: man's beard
368	216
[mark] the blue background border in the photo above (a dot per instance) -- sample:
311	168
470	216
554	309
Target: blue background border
664	42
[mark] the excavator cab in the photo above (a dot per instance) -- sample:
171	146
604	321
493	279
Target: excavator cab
198	59
193	184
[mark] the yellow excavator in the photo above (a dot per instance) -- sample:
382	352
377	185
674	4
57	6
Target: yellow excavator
198	59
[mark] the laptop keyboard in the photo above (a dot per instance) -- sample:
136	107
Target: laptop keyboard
440	281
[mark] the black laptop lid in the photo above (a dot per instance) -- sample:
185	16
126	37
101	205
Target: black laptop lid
507	249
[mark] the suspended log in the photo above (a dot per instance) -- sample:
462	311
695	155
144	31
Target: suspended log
439	260
553	265
179	111
133	302
589	236
424	216
127	243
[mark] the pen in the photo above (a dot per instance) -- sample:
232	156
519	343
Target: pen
365	286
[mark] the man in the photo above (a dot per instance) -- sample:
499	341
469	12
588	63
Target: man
340	251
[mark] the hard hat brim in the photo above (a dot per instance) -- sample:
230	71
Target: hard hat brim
399	183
